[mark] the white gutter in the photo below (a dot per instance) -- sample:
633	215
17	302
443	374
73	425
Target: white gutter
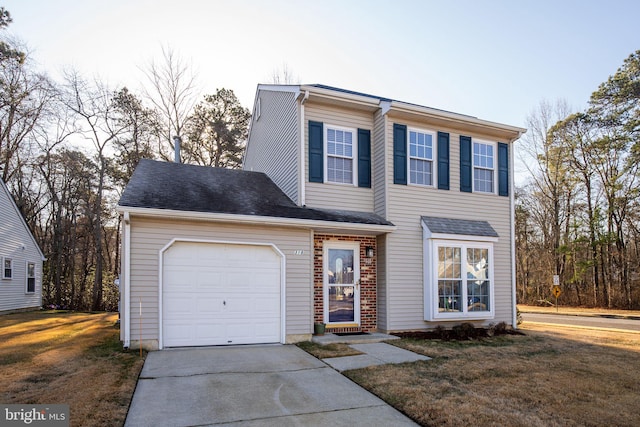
257	220
126	309
301	177
455	117
405	107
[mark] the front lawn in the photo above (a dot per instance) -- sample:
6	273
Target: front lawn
559	377
68	358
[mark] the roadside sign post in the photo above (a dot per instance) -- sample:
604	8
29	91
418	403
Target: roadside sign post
556	291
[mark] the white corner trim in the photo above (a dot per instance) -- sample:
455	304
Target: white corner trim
512	230
126	303
283	273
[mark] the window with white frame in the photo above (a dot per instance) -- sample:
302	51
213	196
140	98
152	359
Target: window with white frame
483	167
463	279
421	151
31	277
340	155
7	268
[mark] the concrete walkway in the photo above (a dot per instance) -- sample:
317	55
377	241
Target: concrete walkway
268	385
374	354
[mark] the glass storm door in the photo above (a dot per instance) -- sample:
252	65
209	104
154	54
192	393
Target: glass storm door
342	283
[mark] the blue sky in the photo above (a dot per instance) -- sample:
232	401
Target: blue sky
492	59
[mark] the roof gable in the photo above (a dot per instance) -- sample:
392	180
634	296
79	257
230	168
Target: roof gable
18	218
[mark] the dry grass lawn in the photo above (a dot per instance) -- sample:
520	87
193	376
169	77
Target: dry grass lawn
70	358
559	377
577	310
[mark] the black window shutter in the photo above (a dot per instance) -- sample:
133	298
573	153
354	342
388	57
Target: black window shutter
399	154
503	169
466	167
443	161
316	154
364	158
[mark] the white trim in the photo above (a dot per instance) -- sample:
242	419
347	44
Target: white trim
223	242
4	259
459	237
302	187
434	155
354	154
493	170
512	230
339	244
279	88
262	220
126	309
404	107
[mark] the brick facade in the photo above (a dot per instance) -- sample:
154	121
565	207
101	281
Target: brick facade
368	283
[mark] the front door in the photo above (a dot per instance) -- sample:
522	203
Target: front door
341	283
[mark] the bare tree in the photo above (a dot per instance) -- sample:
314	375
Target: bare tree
25	96
283	75
172	90
93	107
552	183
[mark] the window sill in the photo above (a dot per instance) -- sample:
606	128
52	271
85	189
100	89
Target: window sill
457	317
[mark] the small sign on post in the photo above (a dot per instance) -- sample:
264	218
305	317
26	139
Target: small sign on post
555	289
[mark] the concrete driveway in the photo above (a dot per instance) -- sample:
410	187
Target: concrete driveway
264	385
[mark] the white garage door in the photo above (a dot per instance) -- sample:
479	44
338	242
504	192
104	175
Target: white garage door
216	294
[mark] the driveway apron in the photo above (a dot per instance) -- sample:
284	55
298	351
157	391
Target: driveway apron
263	385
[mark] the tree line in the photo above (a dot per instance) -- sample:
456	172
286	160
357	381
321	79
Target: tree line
68	148
578	217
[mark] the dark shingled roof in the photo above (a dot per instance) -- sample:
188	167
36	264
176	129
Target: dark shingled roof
459	226
181	187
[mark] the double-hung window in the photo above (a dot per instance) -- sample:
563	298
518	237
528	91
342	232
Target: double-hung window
7	268
340	155
483	167
31	278
421	150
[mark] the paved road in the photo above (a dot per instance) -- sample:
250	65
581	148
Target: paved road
584	321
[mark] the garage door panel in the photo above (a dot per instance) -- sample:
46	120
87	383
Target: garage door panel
217	294
179	306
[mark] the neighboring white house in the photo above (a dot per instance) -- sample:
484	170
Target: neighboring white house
21	257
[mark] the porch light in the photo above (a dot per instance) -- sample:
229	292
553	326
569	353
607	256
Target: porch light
368	251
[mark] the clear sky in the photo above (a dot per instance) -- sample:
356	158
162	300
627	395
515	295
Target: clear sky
493	59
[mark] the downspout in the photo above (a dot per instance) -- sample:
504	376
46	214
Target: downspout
512	203
303	184
126	305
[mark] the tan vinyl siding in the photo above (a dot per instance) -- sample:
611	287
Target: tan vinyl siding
149	236
379	165
405	205
17	243
273	146
330	195
383	295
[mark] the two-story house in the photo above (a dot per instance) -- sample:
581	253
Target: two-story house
360	212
